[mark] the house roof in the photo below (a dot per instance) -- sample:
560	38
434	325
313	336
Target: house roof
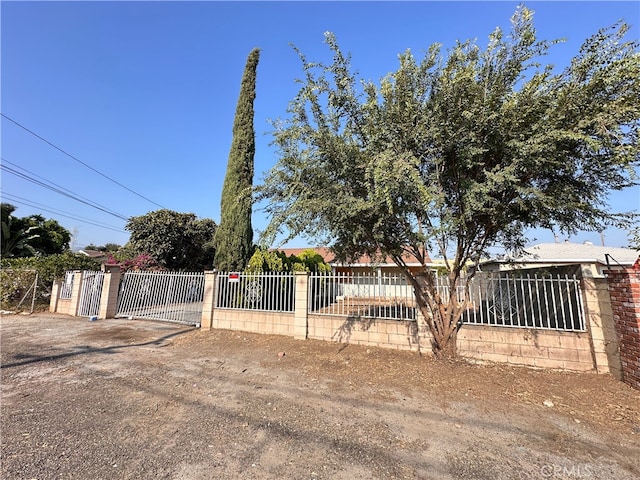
95	254
364	260
572	253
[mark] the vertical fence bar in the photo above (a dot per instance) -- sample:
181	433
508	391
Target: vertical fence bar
571	304
563	300
553	301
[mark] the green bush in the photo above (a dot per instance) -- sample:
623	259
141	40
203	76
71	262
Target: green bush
277	261
18	275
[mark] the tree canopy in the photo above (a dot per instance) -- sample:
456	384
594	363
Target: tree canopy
107	247
264	260
177	241
457	152
31	235
234	237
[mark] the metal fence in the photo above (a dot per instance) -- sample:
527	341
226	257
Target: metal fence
507	300
361	295
168	296
67	286
90	294
266	291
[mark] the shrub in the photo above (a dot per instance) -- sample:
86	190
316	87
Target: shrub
17	276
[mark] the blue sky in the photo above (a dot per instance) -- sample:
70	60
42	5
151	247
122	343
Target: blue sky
145	92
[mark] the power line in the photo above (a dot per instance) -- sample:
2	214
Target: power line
24	201
61	192
80	161
119	215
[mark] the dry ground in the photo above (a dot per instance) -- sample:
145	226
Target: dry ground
129	399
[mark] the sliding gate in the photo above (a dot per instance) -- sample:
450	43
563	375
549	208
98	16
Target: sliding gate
167	296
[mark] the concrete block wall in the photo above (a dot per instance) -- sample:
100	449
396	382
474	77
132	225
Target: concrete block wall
396	334
600	324
535	348
624	290
66	306
273	323
592	350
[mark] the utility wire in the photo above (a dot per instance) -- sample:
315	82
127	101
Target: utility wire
61	192
60	186
40	206
80	161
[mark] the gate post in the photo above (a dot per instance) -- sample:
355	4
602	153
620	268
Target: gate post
599	324
55	296
208	305
109	294
76	290
301	300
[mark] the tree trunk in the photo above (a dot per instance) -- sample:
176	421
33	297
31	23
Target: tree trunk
441	314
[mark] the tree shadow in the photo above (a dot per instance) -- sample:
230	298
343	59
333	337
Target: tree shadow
26	359
354	323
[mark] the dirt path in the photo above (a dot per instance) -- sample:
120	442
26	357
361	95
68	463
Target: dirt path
127	399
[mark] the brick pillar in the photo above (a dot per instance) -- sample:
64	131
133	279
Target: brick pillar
109	295
600	324
624	288
78	278
300	317
208	305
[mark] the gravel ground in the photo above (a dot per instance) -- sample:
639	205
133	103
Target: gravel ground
130	399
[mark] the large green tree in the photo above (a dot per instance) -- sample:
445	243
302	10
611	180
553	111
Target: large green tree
177	241
234	237
32	235
456	153
51	237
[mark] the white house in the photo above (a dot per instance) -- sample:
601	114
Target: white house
589	257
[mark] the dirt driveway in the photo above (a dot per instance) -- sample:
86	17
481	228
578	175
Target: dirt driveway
129	399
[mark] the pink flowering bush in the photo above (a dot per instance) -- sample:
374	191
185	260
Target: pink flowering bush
143	262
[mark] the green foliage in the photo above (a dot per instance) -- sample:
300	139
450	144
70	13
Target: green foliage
264	260
52	266
177	241
16	234
107	247
16	274
33	235
454	154
15	287
50	237
634	238
234	237
309	261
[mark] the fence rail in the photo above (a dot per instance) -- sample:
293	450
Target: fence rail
505	300
361	295
168	296
552	303
266	291
500	299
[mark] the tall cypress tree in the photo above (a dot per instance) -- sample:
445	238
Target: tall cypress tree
234	236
